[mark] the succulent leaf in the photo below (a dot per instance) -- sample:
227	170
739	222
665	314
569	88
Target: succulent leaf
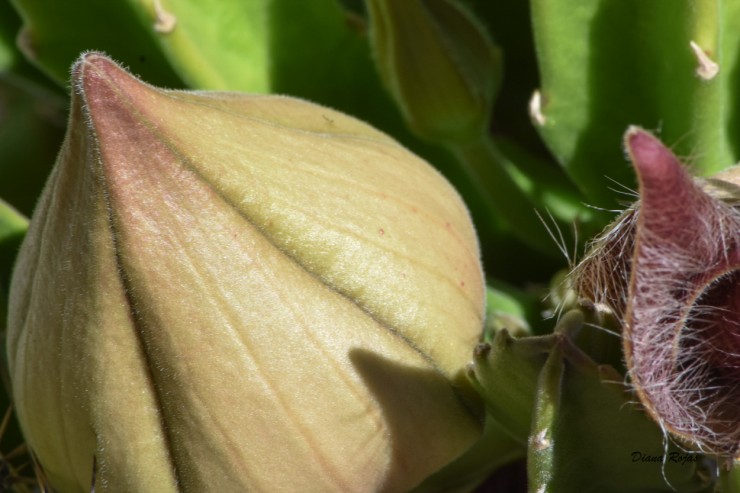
212	45
638	66
53	35
219	45
508	308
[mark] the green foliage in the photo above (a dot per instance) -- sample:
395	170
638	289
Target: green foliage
607	64
587	436
583	431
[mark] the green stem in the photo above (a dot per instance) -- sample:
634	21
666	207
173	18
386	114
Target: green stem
487	168
712	153
729	478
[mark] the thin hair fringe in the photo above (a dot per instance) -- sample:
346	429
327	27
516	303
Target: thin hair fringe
680	390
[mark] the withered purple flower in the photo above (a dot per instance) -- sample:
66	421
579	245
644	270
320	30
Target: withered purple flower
669	269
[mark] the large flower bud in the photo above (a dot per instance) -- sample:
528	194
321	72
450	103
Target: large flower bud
221	292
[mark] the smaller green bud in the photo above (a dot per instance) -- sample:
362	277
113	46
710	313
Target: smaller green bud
440	65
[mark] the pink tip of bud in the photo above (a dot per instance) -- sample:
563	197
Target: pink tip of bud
668	193
656	166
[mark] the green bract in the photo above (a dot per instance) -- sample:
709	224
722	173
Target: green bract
439	65
222	292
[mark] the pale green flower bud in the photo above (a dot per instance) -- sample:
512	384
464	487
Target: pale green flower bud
439	64
222	292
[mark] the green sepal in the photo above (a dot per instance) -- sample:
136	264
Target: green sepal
588	435
505	373
546	399
505	370
595	332
729	476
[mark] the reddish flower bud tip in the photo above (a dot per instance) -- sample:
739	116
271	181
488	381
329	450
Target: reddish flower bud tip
655	164
94	67
103	84
666	189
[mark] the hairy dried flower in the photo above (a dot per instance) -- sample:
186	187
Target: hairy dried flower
669	268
